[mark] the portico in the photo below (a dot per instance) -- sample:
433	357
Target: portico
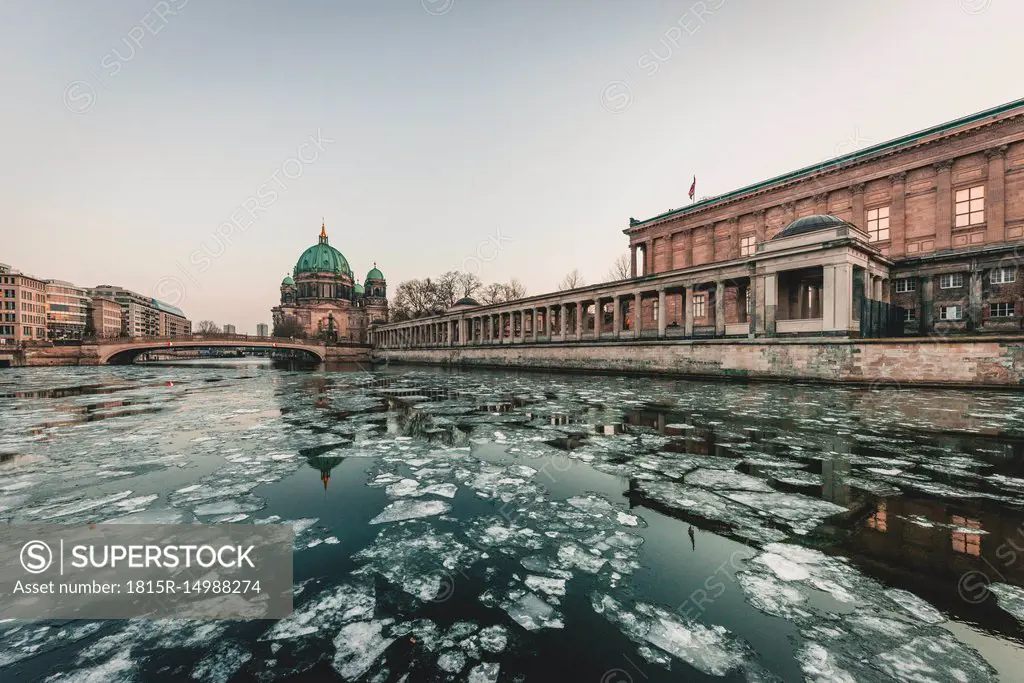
817	277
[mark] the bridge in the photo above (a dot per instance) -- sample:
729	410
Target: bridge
121	350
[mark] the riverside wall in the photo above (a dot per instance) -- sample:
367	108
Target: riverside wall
989	362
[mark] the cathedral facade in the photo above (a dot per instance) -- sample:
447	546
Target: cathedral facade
322	299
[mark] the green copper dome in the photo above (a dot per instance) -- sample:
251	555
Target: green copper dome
374	274
322	258
358	289
287	280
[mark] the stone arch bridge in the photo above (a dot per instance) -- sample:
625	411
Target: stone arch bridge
125	350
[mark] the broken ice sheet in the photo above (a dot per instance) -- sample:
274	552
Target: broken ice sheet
709	649
531	612
358	645
411	509
1010	599
323	612
937	659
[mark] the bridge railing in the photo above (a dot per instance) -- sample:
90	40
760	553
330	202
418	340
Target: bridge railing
239	338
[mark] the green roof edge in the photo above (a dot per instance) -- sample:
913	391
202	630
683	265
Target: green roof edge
839	161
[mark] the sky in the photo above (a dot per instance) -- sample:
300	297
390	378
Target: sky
189	150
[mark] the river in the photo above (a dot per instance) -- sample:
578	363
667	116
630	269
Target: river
487	525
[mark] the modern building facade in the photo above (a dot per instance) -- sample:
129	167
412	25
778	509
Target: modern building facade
143	316
106	317
917	236
22	307
229	329
324	299
262	330
67	310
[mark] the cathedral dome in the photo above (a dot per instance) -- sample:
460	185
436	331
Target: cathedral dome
358	289
287	280
375	274
322	258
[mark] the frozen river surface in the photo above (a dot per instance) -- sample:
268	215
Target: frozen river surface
487	526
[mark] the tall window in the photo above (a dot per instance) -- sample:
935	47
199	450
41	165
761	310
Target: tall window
698	306
970	206
963	540
878	224
747	245
999	276
951	281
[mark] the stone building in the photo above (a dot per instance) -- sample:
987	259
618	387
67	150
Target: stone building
324	298
22	307
67	310
262	330
944	205
229	329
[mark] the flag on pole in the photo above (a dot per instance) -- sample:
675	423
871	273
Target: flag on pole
693	188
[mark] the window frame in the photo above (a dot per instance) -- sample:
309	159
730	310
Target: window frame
699	306
1003	271
959	313
957	278
967	206
875	235
1007	306
748	244
909	285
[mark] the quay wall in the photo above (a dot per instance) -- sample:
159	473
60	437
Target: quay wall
951	362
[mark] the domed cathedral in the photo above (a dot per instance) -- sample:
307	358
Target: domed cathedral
326	301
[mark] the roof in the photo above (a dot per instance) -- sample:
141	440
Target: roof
466	301
838	161
167	308
375	274
813	223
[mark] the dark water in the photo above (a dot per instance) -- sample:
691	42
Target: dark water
559	527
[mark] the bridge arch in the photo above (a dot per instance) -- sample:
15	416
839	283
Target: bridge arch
126	350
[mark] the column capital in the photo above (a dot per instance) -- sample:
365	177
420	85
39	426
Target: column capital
821	197
858	188
789	206
943	165
759	213
897	178
732	221
996	152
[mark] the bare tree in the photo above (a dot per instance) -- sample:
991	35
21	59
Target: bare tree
497	293
208	327
289	326
621	268
515	290
572	280
468	284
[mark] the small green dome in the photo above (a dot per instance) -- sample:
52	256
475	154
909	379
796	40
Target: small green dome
358	288
322	258
374	274
287	280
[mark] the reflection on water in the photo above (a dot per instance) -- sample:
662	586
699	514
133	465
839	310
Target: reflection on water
548	527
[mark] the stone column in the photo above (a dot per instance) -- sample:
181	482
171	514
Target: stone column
632	260
579	321
898	215
662	313
638	314
821	203
616	316
759	226
995	196
719	309
752	313
943	205
843	299
857	197
974	298
771	301
688	311
828	307
927	289
563	319
598	317
649	257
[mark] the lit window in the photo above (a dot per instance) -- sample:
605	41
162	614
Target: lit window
964	542
906	284
999	276
698	305
970	206
878	520
951	281
878	224
951	313
1003	310
748	245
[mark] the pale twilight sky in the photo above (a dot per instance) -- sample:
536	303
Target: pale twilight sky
450	120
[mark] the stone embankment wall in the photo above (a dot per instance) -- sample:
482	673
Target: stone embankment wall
960	362
85	354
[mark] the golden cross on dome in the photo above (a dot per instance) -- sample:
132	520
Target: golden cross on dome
323	229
